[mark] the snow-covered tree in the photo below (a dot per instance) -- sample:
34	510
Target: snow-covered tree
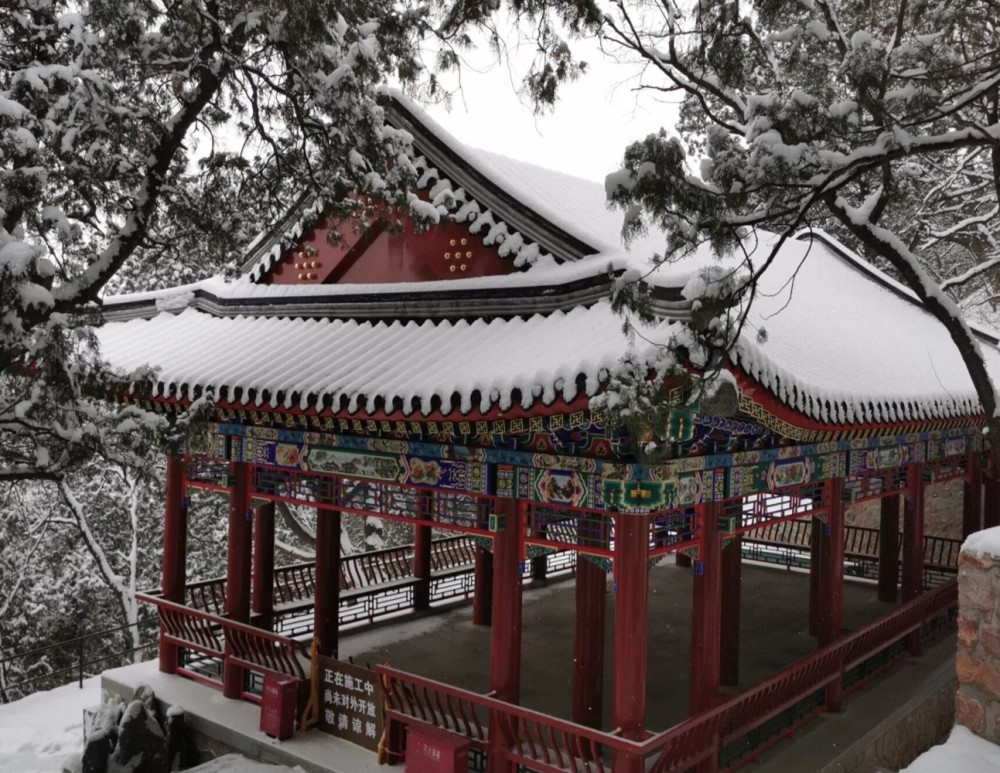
143	142
879	120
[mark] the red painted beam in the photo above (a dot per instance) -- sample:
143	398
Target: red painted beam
815	563
631	563
588	644
326	622
972	500
422	554
238	564
482	599
262	602
505	635
991	504
732	596
913	547
706	613
831	584
888	549
175	524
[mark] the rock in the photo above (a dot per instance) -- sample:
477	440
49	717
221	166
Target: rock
141	746
97	752
177	756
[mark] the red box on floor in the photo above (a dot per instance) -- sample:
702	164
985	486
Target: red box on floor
431	750
278	704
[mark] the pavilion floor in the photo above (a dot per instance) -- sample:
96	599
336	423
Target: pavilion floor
449	648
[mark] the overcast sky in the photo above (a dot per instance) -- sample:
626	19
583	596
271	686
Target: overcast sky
585	135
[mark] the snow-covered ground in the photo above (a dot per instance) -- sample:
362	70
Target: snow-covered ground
963	752
39	732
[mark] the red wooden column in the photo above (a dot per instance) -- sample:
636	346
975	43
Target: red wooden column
422	553
706	613
732	596
326	622
991	503
175	524
482	599
631	562
815	564
888	548
505	635
238	565
972	500
262	602
588	641
831	587
913	546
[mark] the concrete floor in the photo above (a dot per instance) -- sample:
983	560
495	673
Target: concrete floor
773	626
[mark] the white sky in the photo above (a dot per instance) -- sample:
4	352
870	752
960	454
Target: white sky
586	135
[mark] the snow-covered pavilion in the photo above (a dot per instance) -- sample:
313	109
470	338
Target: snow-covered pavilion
451	371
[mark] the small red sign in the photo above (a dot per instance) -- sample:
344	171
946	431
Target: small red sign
431	750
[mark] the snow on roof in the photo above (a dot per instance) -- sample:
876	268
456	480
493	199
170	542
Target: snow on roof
842	343
845	344
353	365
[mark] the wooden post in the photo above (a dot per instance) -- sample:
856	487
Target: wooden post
482	599
326	620
913	547
815	562
588	641
238	566
706	614
422	554
732	593
831	611
972	499
175	526
505	635
991	504
888	549
631	567
262	601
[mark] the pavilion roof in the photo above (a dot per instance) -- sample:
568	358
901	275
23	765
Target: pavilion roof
844	343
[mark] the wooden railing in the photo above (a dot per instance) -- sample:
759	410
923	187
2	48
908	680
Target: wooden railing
787	543
373	585
545	744
218	639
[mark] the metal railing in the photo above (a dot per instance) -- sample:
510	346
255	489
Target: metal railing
545	744
73	659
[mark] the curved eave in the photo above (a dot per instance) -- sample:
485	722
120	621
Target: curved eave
768	410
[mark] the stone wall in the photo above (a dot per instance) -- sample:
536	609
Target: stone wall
977	703
942	511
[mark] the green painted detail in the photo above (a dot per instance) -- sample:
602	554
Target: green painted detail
496	522
764	477
729	523
484	542
604	563
536	551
